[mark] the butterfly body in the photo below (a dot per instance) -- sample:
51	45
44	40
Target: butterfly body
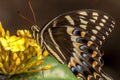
75	39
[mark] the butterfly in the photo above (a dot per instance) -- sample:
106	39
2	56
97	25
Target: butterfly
75	38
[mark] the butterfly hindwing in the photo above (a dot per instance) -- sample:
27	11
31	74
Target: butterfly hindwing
75	38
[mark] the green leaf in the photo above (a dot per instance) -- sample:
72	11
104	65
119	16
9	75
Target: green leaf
57	72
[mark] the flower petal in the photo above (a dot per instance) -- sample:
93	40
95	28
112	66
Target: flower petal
3	42
2	32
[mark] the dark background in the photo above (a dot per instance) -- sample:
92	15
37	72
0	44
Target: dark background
48	9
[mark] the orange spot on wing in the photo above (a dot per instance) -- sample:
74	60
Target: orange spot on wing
83	34
89	77
89	43
70	30
77	45
94	63
94	54
95	74
74	62
70	65
78	51
78	75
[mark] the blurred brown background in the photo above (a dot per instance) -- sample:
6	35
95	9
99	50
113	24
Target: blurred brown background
48	9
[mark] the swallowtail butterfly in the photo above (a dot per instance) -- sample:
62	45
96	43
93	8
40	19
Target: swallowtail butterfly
75	39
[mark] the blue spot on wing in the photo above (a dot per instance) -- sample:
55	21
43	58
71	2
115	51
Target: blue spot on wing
76	32
84	48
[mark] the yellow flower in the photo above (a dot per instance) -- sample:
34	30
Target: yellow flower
24	33
2	32
19	53
45	53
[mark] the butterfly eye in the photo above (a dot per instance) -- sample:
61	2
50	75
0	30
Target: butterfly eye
76	32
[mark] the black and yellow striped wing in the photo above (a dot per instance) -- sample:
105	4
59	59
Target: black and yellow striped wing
75	39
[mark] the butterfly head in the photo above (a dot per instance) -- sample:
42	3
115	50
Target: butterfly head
35	31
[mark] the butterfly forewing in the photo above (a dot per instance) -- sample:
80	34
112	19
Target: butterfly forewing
75	38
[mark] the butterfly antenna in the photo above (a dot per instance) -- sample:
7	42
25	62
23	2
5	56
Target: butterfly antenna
24	17
31	8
